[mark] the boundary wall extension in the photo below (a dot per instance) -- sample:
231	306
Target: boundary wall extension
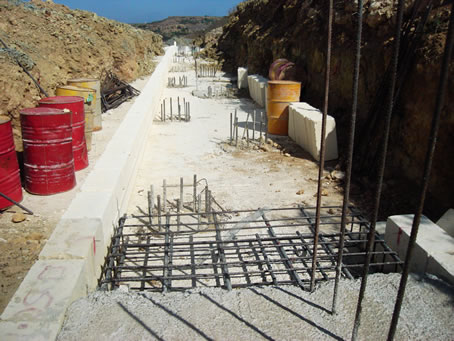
70	263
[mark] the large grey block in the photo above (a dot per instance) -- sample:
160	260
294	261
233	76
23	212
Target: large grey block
305	128
434	249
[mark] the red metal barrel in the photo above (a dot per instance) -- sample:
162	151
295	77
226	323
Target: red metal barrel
48	155
76	105
9	168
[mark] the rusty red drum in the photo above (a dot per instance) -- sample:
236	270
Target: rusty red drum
9	167
48	154
74	104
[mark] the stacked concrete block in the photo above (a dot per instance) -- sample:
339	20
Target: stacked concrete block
446	222
257	89
242	78
434	249
305	128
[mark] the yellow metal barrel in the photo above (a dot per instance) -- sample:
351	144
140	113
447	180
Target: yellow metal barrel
94	84
279	95
89	96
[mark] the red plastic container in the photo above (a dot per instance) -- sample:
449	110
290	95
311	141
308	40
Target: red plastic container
9	167
48	154
76	106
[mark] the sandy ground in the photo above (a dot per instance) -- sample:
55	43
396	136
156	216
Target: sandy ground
245	179
21	243
285	313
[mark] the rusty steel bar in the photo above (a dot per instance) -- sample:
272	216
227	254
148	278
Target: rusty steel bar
444	73
382	165
351	143
322	145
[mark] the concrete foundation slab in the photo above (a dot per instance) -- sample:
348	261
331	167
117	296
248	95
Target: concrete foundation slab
242	78
39	305
305	128
434	249
446	222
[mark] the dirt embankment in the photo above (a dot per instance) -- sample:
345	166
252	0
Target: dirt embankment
56	43
260	31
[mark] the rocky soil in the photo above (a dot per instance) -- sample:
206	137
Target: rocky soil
56	43
260	31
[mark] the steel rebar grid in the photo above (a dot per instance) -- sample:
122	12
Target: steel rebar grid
240	256
382	165
322	144
444	72
351	143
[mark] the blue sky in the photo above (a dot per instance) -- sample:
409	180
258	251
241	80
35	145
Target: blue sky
139	11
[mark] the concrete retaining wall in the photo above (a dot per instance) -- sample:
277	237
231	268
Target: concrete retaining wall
434	247
446	222
305	128
70	263
257	89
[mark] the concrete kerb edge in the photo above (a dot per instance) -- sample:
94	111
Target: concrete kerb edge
78	245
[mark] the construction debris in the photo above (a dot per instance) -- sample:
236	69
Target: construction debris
114	91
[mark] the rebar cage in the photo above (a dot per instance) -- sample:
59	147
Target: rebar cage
235	249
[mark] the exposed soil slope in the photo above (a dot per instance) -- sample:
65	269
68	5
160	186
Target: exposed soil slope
260	31
56	43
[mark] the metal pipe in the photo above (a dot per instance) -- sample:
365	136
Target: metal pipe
322	143
382	165
16	203
351	142
444	74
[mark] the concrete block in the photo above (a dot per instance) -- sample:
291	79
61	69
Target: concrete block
257	89
78	239
446	222
305	128
242	78
28	331
38	307
434	249
102	206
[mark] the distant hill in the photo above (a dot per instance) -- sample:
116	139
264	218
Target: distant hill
181	27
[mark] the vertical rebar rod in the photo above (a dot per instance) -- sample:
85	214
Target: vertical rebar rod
351	142
220	244
164	105
199	214
236	131
159	212
150	208
166	254
178	214
266	128
444	74
253	125
206	199
164	195
162	114
261	126
181	194
193	274
171	109
322	143
381	167
231	128
179	107
194	193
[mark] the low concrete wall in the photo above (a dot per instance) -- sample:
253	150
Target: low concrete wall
305	128
257	89
242	78
70	263
434	248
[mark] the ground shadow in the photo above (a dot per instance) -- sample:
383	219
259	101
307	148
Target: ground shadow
239	318
179	318
139	321
312	323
